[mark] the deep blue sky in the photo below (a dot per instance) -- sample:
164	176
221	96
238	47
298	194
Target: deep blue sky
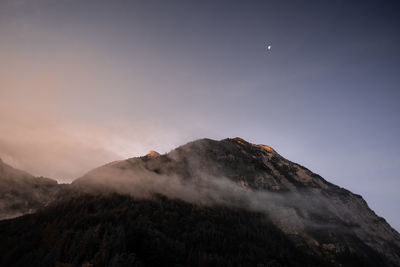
86	82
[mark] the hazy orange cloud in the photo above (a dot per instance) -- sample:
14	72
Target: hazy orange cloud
66	149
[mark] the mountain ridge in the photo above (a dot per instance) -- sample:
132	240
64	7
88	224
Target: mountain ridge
22	193
316	215
307	202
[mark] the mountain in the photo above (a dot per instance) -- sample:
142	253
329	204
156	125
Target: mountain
209	203
22	193
316	214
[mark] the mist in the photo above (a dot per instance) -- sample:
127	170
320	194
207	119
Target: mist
201	184
39	143
83	83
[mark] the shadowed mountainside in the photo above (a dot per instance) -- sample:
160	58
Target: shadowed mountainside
118	230
318	220
316	214
22	193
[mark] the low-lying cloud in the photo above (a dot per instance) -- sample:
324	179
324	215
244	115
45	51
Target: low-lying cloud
204	189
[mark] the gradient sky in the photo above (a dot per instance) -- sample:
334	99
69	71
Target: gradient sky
86	82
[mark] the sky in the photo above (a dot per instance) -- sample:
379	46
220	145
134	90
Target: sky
84	82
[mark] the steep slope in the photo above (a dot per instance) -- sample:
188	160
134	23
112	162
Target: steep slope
22	193
121	231
317	215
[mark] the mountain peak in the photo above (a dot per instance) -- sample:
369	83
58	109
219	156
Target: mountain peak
240	140
267	148
314	214
244	142
153	154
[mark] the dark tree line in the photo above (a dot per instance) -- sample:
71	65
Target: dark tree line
118	230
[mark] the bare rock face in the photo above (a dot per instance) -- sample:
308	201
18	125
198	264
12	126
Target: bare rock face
316	214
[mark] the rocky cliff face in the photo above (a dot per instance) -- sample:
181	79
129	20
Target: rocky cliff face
316	214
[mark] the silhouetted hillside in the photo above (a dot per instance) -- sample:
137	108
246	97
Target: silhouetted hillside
314	213
22	193
118	230
224	203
